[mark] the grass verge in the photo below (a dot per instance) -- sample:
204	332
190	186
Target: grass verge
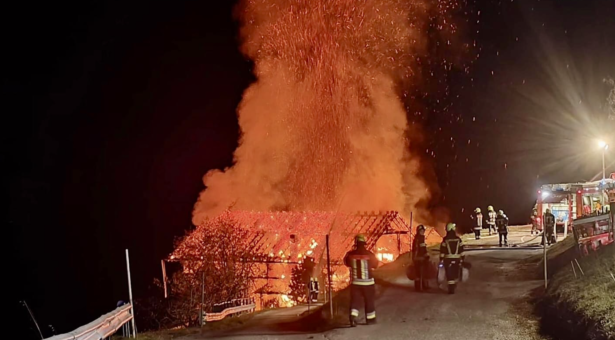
581	307
559	256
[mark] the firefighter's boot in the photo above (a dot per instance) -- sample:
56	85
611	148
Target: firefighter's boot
353	321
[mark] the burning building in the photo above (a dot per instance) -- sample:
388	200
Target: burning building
276	242
324	128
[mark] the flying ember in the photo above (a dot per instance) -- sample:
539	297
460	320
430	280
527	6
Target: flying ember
324	127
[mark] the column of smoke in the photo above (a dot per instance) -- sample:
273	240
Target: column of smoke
324	126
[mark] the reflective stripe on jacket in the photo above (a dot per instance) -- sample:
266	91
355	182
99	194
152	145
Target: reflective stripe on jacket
479	221
451	248
361	262
492	216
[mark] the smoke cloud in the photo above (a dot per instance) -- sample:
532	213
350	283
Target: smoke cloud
324	127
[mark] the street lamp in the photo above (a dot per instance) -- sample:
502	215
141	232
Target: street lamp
604	146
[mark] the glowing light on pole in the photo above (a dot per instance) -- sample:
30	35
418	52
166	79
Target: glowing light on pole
604	146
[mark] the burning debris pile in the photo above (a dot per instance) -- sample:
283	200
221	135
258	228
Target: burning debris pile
270	244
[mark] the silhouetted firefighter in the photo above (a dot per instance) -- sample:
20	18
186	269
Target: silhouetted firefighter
548	221
361	262
502	223
420	259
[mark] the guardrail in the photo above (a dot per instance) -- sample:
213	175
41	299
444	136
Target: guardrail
224	309
101	328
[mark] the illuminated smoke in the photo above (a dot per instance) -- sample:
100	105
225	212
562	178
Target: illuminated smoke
324	126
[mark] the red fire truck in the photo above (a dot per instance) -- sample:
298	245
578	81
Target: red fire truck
597	229
593	232
570	202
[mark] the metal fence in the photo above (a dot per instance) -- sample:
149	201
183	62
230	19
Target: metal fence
103	327
224	309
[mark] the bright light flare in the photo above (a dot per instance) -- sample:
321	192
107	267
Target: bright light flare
603	145
385	257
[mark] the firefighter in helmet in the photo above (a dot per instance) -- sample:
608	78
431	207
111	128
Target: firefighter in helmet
451	254
361	263
501	222
491	216
478	223
548	220
535	220
420	258
309	265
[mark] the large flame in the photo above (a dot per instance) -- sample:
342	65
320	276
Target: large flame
324	126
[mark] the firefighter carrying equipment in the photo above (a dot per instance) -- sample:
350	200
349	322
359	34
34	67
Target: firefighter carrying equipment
451	256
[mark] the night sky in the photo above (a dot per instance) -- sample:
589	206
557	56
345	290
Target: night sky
113	112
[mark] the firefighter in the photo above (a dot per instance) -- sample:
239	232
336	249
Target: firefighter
501	222
361	262
535	220
313	289
308	277
491	219
478	223
452	256
548	229
420	258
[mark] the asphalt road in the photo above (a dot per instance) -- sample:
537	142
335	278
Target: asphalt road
493	304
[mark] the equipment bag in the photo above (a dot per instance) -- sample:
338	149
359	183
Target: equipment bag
441	274
465	274
410	274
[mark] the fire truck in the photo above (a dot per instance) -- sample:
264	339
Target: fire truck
598	229
593	232
585	208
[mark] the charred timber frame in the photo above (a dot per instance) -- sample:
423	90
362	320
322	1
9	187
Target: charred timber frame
264	248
